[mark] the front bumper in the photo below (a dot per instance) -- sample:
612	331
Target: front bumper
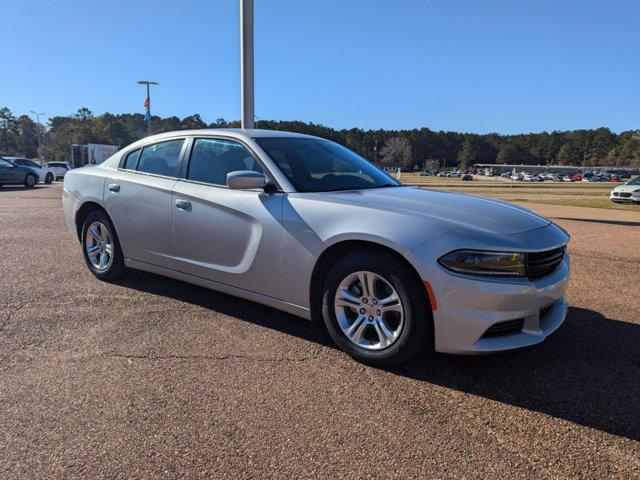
469	306
634	198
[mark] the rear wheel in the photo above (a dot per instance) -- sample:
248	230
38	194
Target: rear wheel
375	309
102	252
49	178
30	180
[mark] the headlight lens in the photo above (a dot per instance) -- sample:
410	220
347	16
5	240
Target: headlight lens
474	262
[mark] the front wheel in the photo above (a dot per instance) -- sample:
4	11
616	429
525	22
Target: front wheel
101	247
30	180
376	309
49	178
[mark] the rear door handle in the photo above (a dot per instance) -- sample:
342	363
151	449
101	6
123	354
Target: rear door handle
183	205
114	187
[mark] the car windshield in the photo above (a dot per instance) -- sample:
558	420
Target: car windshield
317	165
635	181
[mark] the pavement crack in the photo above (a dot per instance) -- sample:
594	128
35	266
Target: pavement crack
11	313
214	358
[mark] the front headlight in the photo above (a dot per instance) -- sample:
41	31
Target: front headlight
475	262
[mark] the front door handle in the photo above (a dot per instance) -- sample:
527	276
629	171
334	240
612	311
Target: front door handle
114	187
183	205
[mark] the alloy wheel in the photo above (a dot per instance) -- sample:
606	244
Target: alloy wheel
99	246
369	310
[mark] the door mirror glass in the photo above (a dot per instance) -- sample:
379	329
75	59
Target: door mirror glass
246	180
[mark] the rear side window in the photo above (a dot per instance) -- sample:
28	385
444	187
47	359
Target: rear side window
131	161
211	160
161	158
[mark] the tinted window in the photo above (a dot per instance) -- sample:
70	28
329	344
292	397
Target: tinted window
161	158
211	160
5	164
26	163
317	165
131	161
58	165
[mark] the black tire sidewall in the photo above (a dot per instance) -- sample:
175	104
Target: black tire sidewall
26	182
417	331
49	178
117	268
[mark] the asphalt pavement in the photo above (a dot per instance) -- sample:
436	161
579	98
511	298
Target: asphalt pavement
154	378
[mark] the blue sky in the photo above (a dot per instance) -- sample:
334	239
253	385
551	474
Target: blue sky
475	66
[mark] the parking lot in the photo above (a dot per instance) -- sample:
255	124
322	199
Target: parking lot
154	378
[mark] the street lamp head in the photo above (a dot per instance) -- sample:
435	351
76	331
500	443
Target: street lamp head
145	82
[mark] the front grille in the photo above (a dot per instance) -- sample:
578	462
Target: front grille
541	264
504	328
624	194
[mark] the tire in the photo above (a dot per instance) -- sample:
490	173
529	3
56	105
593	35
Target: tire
412	326
49	178
93	236
30	180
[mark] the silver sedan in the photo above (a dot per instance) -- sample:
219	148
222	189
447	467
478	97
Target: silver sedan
305	225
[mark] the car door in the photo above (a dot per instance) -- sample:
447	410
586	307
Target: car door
9	173
138	198
229	236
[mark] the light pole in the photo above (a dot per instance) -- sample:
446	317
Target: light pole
39	133
147	103
246	63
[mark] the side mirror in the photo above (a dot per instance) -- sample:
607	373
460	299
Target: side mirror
246	180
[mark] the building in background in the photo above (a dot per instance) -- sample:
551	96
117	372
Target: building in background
91	154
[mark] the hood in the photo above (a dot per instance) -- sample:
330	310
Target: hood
627	188
449	210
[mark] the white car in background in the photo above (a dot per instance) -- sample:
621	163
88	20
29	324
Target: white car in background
627	193
59	169
44	174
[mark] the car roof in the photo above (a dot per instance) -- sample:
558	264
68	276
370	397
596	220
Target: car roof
226	132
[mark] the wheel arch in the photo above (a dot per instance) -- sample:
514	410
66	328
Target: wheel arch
338	250
83	212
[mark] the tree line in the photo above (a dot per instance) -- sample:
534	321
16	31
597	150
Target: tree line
421	148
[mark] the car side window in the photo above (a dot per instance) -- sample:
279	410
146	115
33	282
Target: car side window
131	162
212	159
5	164
161	158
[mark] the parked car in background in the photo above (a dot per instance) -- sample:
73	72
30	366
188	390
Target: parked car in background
11	174
627	193
306	225
59	169
44	174
467	177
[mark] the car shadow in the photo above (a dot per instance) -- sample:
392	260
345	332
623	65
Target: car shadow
588	372
9	188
